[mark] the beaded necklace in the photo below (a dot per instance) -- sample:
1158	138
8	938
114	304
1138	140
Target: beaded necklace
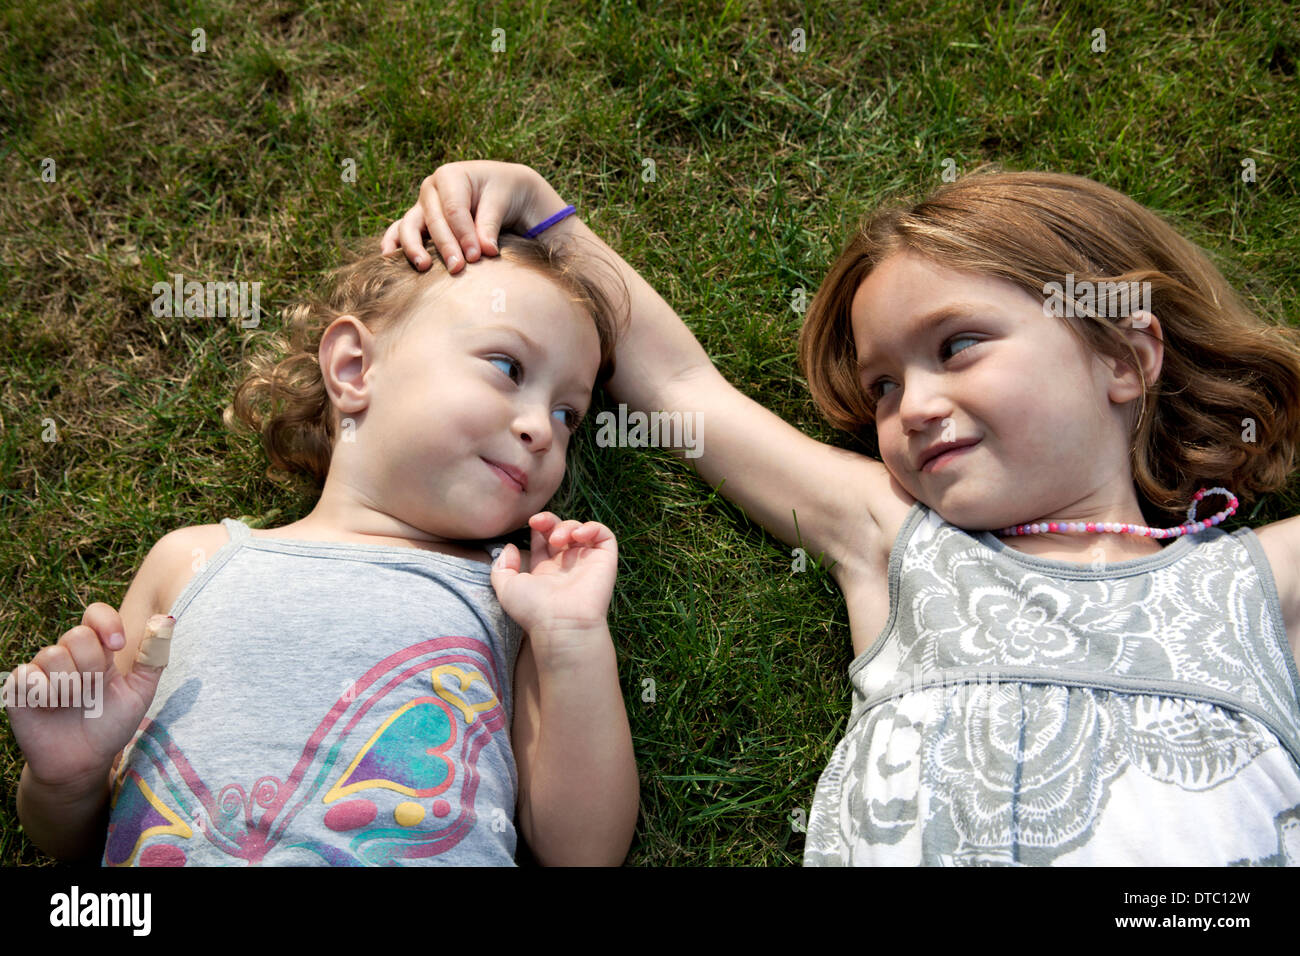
1190	526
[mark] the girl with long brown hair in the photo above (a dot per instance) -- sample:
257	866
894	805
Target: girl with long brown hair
1056	662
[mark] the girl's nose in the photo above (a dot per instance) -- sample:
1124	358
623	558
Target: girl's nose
532	426
923	402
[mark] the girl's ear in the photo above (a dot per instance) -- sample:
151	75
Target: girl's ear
347	352
1142	329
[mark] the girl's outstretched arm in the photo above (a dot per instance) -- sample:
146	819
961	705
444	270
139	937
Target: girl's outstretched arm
805	492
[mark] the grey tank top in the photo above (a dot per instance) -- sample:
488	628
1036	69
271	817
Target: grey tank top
326	704
1020	710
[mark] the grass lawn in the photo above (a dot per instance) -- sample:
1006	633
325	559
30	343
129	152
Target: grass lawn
230	164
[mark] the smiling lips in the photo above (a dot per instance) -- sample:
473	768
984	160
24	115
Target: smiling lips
936	455
510	475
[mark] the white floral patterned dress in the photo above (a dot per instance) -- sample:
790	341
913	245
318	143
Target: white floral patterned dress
1017	710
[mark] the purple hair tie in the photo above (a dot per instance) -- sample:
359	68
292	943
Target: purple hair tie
537	230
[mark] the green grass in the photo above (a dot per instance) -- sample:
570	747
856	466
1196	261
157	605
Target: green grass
226	165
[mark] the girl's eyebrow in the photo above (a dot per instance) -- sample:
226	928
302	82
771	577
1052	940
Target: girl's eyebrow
512	331
929	323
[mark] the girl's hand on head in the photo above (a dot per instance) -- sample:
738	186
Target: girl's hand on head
464	206
569	581
71	710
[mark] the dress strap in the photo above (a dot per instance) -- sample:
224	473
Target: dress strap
237	530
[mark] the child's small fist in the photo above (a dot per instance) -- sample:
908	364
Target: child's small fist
71	710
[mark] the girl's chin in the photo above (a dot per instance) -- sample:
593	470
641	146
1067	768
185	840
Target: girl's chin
491	530
972	518
487	524
487	529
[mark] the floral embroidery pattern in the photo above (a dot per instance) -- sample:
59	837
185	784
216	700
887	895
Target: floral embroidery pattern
1021	769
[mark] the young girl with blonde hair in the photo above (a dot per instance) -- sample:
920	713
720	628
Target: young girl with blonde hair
1041	677
360	687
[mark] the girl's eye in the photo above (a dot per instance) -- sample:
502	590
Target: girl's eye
960	338
874	390
508	366
569	417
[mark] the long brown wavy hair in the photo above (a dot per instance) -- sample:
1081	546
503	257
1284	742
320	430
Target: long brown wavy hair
1223	366
283	394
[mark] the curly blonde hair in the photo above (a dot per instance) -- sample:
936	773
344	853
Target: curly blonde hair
1222	364
283	394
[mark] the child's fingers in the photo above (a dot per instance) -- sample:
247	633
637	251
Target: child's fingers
505	567
410	233
28	683
53	659
60	672
488	217
14	685
86	649
593	534
155	646
391	242
540	525
507	559
543	521
444	239
457	201
107	623
561	535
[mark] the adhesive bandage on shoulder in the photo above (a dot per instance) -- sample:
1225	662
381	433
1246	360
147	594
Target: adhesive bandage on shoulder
156	646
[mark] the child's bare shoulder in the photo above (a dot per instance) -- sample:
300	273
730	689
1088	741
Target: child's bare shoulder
1281	543
178	555
161	578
